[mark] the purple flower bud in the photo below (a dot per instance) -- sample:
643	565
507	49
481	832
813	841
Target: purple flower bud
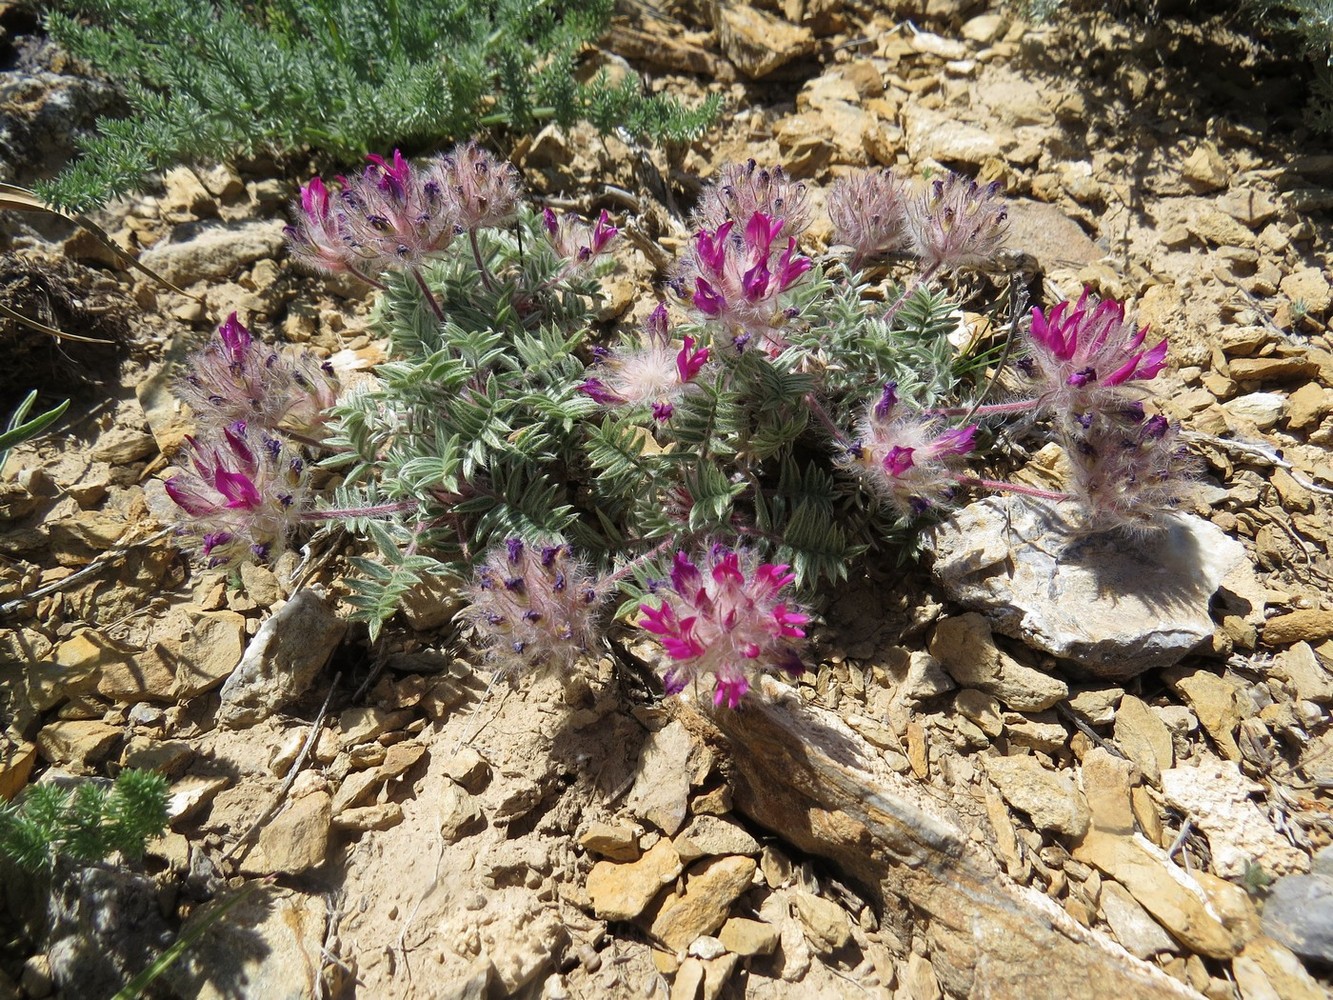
887	401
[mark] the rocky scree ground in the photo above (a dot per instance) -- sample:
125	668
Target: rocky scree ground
963	811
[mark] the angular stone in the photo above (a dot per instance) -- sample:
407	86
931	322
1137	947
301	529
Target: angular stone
16	763
712	836
1305	672
825	922
1309	286
1097	600
1266	970
661	791
1096	705
76	744
933	135
1216	797
1306	625
272	943
1049	235
459	813
917	676
1216	701
295	840
1190	907
709	892
981	708
623	891
1260	409
756	41
190	794
1050	798
1299	914
964	647
469	769
1144	738
377	817
611	841
1107	781
744	937
214	252
281	660
205	651
1141	935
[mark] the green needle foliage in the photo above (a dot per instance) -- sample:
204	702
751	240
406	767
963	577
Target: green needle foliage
216	79
52	824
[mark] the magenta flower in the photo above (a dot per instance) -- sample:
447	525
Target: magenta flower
729	622
737	276
243	498
910	458
1076	353
481	190
533	605
654	375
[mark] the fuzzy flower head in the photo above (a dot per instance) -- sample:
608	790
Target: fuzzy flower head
1078	354
727	620
742	189
580	245
236	377
387	218
241	497
533	605
737	274
653	375
957	223
868	210
910	458
482	190
1129	468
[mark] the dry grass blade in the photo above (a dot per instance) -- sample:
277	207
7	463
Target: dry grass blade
18	199
50	331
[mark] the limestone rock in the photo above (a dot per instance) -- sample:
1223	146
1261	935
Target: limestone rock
745	937
1096	600
460	813
712	836
1303	670
1299	914
933	135
1049	235
825	922
76	744
281	660
16	763
710	890
756	41
1217	703
469	769
1266	970
1141	935
1261	409
1311	287
1201	912
1306	625
661	791
1144	738
270	942
612	841
963	645
1050	798
623	891
1216	796
214	252
295	840
204	650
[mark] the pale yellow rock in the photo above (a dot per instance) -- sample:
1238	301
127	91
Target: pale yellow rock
77	745
1050	798
825	922
1267	970
295	840
623	891
1143	737
615	842
745	937
705	905
1106	781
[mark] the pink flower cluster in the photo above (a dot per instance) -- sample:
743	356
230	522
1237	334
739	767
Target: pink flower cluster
950	224
909	457
236	377
742	189
243	496
395	216
727	621
533	605
736	276
655	375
